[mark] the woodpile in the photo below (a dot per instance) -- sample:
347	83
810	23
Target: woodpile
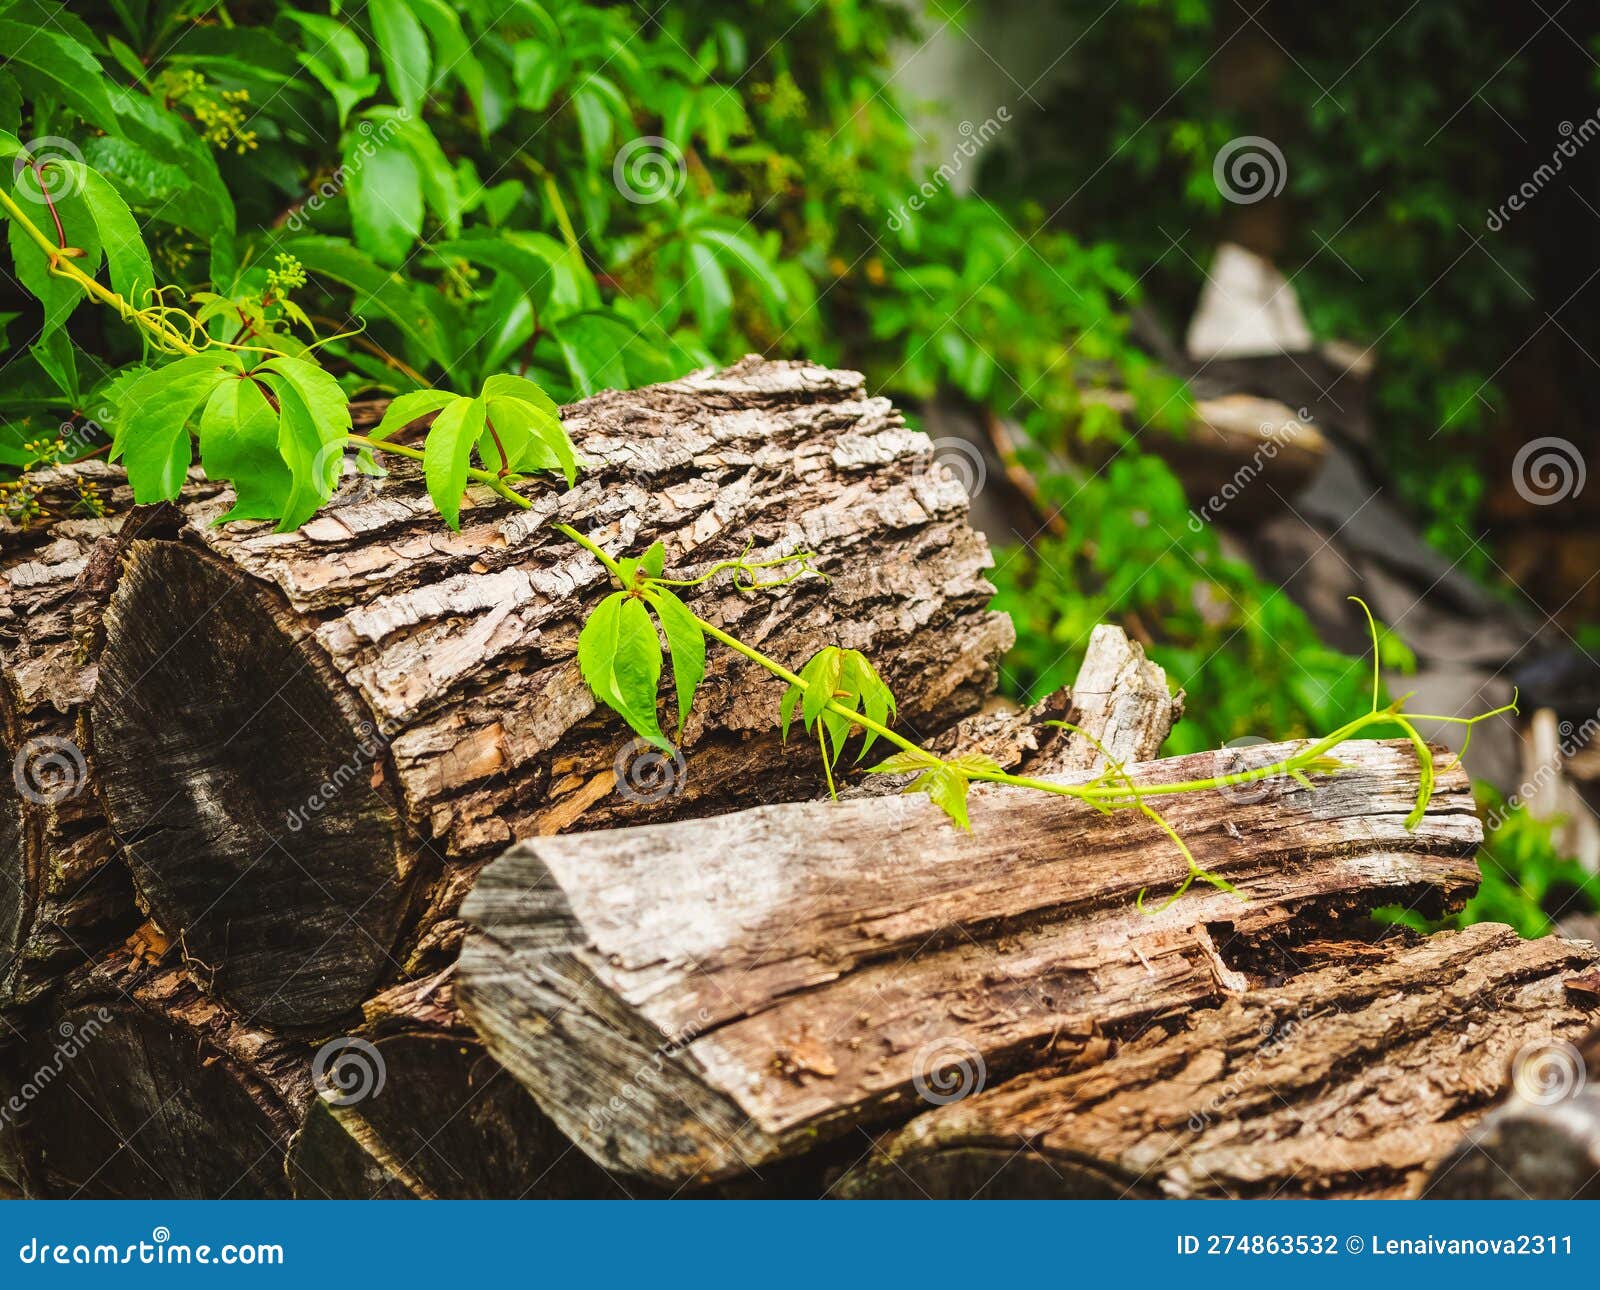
351	891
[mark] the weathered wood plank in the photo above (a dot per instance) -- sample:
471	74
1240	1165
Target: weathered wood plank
807	966
1343	1081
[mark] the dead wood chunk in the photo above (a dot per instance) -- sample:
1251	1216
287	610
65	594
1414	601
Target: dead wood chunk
299	731
64	895
444	1121
793	972
138	1086
1341	1082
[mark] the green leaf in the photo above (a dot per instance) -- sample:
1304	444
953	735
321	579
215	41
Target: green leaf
619	656
313	422
403	409
902	762
654	560
947	788
686	640
49	65
59	296
403	45
126	255
152	438
239	443
821	675
385	191
447	455
709	293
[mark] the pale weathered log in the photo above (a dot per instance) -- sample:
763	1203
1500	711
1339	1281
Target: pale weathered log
310	740
1343	1081
808	968
64	896
140	1086
447	1121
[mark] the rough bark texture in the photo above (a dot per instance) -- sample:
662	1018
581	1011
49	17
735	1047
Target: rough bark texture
447	1122
813	967
415	692
142	1087
1543	1142
63	895
1341	1082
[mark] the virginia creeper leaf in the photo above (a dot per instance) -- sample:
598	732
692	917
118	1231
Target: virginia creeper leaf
447	455
685	639
619	656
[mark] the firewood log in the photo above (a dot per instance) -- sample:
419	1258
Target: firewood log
798	971
1343	1081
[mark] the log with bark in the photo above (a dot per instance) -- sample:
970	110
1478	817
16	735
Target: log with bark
792	972
137	1085
64	896
310	741
1344	1081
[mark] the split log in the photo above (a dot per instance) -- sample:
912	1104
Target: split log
445	1122
415	694
1341	1082
64	897
796	971
140	1087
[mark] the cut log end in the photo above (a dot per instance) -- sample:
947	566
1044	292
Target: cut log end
242	785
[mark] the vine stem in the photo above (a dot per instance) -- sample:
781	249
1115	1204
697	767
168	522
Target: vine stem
416	454
1103	794
61	265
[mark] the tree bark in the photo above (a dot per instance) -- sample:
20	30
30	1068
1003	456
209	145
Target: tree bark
796	971
1344	1081
415	695
1543	1141
140	1086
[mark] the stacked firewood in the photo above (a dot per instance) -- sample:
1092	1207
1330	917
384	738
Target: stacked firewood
323	876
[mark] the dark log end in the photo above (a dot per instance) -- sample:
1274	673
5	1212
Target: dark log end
227	752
